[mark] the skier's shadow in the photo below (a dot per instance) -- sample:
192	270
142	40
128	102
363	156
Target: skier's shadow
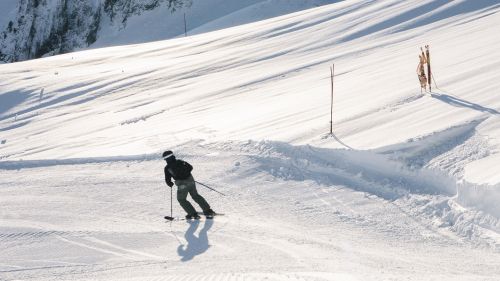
196	245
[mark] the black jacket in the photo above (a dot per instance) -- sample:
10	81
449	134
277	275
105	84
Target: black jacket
178	170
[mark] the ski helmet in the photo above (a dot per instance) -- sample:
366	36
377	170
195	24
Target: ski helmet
167	154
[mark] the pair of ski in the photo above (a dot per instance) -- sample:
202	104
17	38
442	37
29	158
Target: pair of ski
169	218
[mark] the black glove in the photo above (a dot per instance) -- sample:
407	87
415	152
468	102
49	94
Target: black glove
170	184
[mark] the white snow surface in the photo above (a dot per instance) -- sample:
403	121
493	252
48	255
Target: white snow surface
407	187
201	16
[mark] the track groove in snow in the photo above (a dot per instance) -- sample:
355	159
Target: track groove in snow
272	225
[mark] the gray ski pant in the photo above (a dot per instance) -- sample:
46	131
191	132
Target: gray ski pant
188	186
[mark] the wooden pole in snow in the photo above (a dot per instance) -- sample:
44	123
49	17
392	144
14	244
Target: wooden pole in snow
332	72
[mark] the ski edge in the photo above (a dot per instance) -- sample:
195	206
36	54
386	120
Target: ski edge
169	218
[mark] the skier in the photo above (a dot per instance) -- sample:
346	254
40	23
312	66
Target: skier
180	171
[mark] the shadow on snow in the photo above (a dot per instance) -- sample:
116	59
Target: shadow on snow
454	101
196	245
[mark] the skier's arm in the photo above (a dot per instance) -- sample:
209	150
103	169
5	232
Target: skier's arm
168	178
189	167
186	165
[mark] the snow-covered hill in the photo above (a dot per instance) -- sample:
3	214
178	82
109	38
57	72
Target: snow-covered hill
33	29
406	188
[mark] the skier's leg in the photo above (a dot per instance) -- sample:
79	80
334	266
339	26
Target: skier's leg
182	192
197	197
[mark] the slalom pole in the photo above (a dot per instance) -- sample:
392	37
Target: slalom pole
210	188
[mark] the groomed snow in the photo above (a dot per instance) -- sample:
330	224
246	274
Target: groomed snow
405	189
201	16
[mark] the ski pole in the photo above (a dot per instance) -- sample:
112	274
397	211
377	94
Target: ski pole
210	188
171	203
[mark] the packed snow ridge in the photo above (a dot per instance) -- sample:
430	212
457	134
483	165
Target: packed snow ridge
406	187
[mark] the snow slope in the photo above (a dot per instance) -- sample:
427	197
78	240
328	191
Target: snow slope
33	29
201	16
102	221
406	188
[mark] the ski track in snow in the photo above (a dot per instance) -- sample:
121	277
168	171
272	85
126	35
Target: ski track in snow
275	226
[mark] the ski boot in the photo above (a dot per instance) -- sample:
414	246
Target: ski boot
194	216
209	214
